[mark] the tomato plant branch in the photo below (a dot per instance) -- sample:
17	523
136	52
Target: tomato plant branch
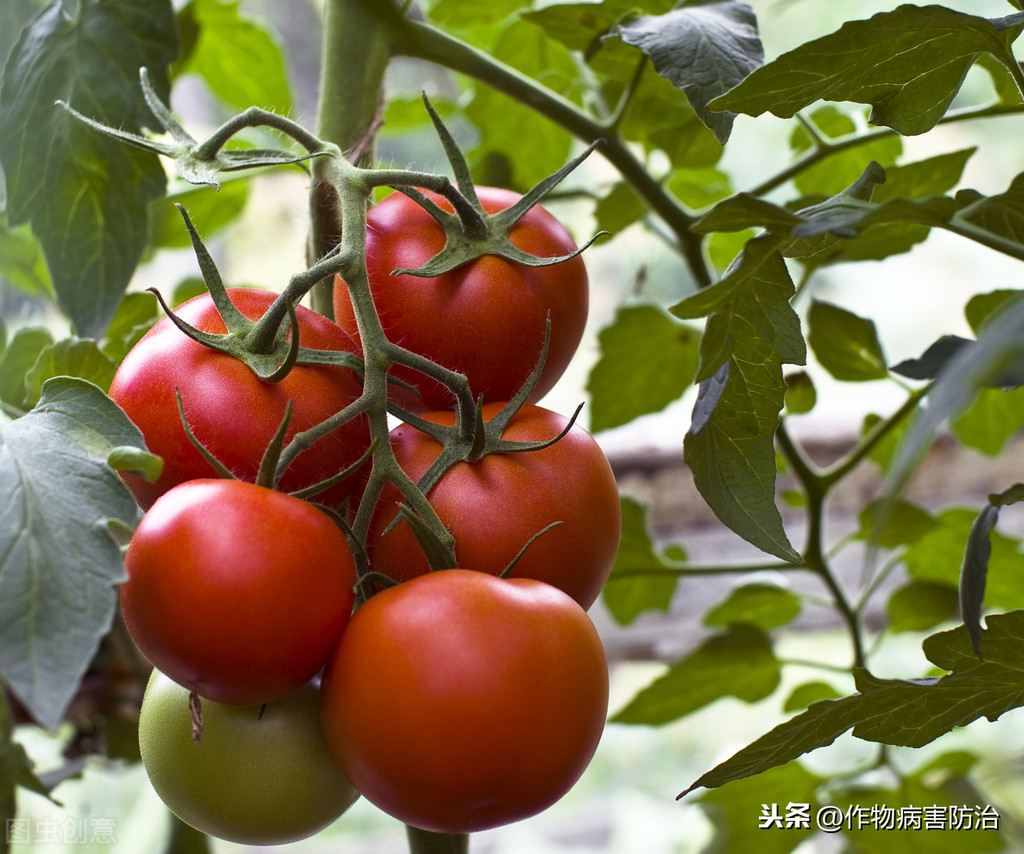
428	842
814	555
707	569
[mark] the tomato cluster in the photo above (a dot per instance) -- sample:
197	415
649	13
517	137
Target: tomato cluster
455	700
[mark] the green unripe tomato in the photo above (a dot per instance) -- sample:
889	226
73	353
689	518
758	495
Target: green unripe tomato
253	779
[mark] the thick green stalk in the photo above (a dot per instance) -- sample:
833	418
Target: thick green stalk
355	55
425	842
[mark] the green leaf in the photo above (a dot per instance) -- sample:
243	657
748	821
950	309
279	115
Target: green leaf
907	64
989	423
85	195
736	663
70	357
700	188
136	314
212	210
937	556
703	50
618	209
809	692
461	12
642	578
226	50
58	563
22	263
538	147
908	713
981	307
763	606
845	344
1002	214
730	446
641	335
975	571
579	26
902	523
801	396
19	356
742	811
921	605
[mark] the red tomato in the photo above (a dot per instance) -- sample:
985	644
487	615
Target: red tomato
237	591
458	701
232	412
485	319
494	506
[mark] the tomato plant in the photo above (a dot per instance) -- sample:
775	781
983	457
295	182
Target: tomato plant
231	411
486	319
458	701
237	591
255	776
496	505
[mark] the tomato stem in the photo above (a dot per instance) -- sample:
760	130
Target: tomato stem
428	842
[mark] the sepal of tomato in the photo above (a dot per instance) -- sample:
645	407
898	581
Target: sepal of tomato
494	506
458	701
237	591
232	412
486	319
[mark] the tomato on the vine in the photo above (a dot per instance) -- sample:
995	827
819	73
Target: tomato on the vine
256	777
485	319
237	591
494	506
459	701
230	410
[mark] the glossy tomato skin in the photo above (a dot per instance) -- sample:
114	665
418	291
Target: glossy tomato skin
494	506
458	701
237	591
485	319
256	777
232	412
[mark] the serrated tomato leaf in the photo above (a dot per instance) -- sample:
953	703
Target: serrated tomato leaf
84	194
738	662
908	713
908	64
703	50
58	562
730	446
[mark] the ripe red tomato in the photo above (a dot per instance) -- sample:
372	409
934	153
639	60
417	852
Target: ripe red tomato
458	701
485	319
255	777
232	412
237	591
494	506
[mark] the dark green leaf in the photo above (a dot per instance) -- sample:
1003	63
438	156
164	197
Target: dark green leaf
937	556
646	336
736	663
845	344
136	314
703	50
227	49
1012	495
700	188
902	523
1002	79
921	605
907	64
909	713
730	445
933	359
974	573
1003	214
59	563
800	393
642	579
742	812
981	307
764	606
809	692
85	195
581	26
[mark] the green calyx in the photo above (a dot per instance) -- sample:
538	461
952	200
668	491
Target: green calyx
471	231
